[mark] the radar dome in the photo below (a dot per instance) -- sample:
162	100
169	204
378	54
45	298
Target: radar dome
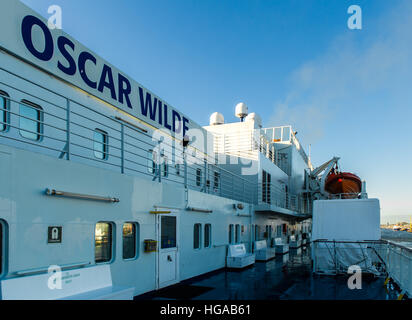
216	118
256	118
241	110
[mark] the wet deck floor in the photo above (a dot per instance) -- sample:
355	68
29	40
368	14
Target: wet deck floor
286	277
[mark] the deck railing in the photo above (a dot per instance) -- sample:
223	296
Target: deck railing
50	123
383	258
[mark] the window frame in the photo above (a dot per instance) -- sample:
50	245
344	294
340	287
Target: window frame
208	233
199	237
105	144
5	109
39	121
3	251
198	177
112	242
152	162
136	240
165	167
216	180
231	233
237	233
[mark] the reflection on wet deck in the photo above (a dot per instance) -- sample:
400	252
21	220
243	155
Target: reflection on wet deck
286	277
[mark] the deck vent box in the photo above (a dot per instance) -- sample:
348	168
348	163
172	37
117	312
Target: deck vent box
150	245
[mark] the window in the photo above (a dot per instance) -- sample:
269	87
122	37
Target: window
278	231
152	161
165	167
216	180
103	242
231	227
198	177
237	234
208	235
31	120
256	232
268	232
285	228
286	134
1	247
197	236
168	232
266	185
130	231
177	166
101	144
4	107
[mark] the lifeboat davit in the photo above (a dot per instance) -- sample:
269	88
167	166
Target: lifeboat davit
347	184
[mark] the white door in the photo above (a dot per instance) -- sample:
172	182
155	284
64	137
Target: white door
168	256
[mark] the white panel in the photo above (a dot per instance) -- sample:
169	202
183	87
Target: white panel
167	267
348	219
73	282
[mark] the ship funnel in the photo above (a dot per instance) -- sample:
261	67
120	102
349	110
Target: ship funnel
216	118
241	111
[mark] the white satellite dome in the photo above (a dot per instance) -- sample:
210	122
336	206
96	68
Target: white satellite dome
216	118
241	110
256	118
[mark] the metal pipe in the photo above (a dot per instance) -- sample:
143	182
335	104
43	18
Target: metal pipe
198	210
53	192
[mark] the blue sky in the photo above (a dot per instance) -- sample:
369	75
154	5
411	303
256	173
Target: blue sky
347	92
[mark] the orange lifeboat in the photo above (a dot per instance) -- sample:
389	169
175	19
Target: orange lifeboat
345	183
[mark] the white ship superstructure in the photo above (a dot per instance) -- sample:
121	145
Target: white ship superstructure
101	174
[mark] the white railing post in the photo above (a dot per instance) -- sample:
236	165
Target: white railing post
67	129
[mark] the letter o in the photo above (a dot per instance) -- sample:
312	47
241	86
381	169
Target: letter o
26	31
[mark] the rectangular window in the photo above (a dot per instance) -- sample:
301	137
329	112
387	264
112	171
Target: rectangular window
197	235
237	234
286	134
208	235
103	242
198	177
152	161
168	232
1	248
31	120
4	108
216	180
278	231
101	147
256	232
165	167
266	187
231	237
268	233
129	240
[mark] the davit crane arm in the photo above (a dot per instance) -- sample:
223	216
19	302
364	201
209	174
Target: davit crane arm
318	185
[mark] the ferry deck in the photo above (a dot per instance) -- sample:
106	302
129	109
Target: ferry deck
124	196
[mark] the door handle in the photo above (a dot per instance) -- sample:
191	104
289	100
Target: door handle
169	258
